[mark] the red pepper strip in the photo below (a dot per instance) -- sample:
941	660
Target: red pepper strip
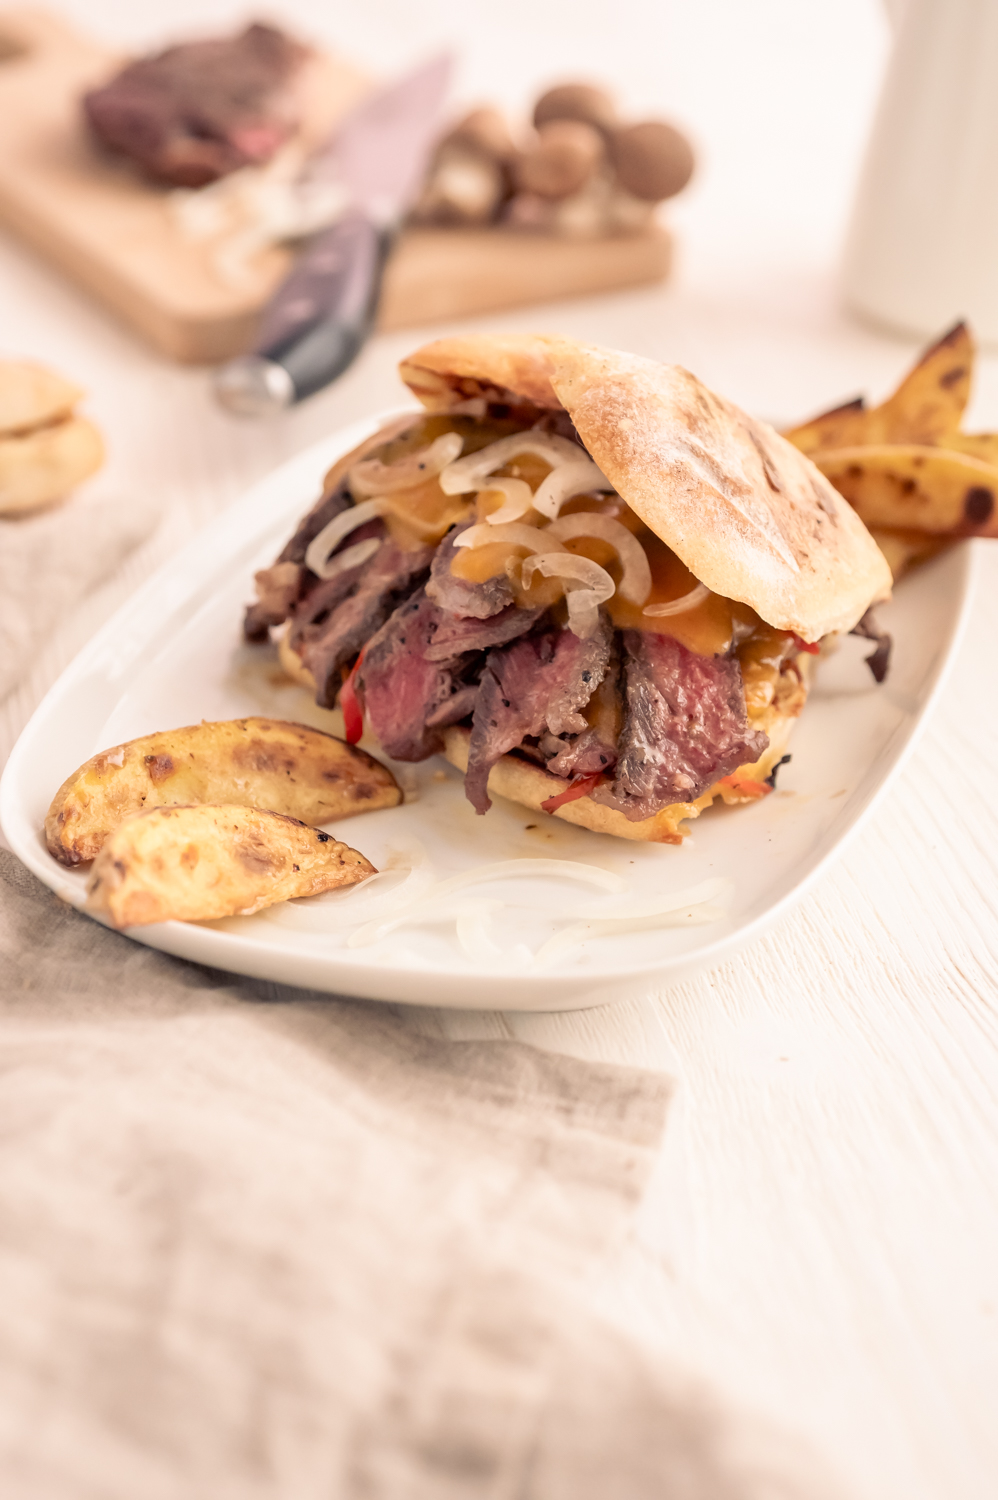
811	647
749	788
353	714
580	787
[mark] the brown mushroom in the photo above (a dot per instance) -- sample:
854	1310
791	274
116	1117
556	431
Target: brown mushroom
652	160
564	157
464	187
576	101
484	130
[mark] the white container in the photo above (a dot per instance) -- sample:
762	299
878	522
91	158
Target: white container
923	245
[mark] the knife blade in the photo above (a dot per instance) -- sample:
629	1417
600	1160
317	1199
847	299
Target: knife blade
319	317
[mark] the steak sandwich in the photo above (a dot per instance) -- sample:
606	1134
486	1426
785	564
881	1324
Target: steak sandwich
589	582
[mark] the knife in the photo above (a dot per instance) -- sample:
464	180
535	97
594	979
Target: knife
318	319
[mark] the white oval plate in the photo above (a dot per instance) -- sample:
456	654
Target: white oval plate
173	655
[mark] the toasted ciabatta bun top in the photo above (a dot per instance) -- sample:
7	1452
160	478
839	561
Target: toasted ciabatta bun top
749	515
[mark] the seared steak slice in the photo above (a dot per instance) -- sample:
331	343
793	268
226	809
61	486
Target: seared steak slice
277	592
456	634
479	601
279	588
585	754
390	576
308	528
538	683
196	112
413	671
460	705
685	725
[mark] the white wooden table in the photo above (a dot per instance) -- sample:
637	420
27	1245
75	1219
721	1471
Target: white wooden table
836	1261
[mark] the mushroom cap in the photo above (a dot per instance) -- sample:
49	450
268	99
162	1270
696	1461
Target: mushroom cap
577	101
652	160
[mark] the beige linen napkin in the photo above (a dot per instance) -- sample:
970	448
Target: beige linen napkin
52	561
258	1244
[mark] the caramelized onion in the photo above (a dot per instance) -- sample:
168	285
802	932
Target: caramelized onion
471	472
679	606
595	586
515	534
372	477
519	500
635	581
577	477
352	557
319	548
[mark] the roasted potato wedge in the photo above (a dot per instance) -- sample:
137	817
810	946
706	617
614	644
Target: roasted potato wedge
193	864
287	768
37	468
926	407
916	488
904	550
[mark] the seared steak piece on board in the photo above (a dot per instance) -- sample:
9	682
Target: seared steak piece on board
412	675
538	683
196	112
685	725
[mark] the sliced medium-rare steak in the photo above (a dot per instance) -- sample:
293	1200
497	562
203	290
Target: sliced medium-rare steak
538	683
390	576
685	725
477	600
413	674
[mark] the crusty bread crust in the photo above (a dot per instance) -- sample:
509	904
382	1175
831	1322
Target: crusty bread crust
748	514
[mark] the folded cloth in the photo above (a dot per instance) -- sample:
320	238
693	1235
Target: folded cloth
52	561
257	1243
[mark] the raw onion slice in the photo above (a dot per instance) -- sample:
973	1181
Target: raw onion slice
438	902
519	500
470	473
678	606
319	548
372	477
515	534
707	902
575	478
635	581
378	896
596	586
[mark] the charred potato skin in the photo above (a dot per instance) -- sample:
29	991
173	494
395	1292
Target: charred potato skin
286	768
200	863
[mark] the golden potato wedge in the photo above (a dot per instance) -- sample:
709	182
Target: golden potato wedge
193	864
916	488
904	550
31	396
926	407
287	768
37	468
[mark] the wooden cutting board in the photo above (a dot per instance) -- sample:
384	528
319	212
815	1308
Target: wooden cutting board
119	237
